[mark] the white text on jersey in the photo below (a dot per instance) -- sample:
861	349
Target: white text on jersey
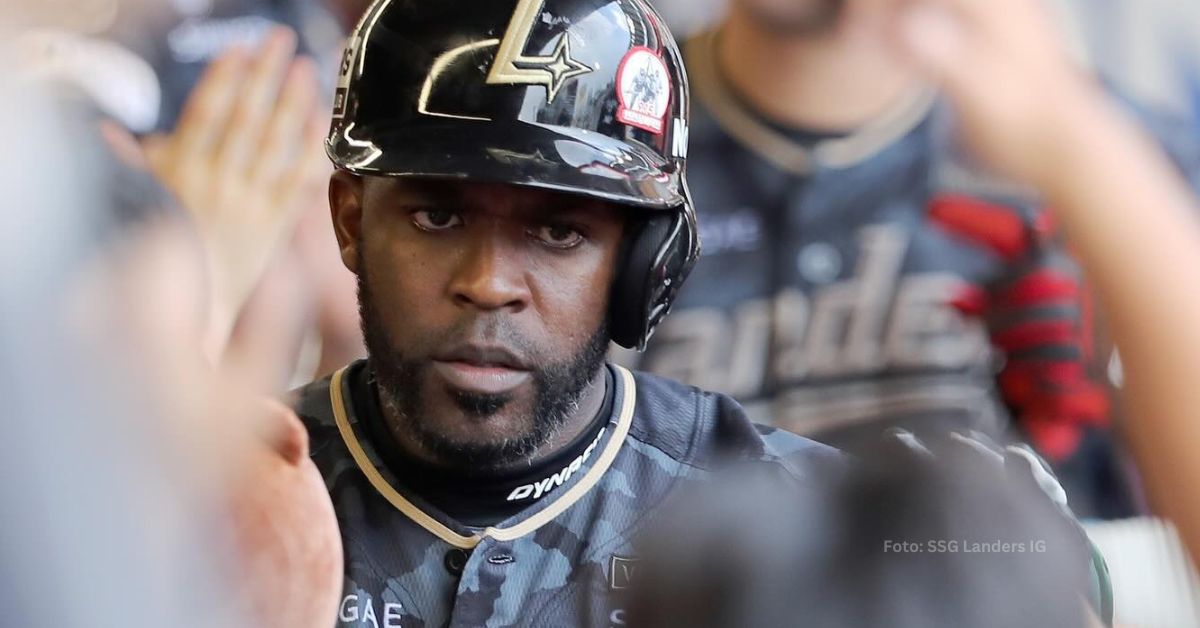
537	489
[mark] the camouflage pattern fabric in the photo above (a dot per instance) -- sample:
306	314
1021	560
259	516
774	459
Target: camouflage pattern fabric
565	559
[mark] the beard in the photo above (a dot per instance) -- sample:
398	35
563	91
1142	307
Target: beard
784	17
558	387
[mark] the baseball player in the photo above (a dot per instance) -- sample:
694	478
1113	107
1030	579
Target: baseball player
510	193
860	272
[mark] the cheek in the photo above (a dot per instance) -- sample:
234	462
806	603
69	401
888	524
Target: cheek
573	295
405	281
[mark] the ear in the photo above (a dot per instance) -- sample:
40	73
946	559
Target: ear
346	207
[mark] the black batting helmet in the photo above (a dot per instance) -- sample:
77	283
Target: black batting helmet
580	96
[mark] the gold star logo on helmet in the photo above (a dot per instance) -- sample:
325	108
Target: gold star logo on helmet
512	67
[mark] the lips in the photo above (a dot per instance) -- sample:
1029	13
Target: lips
481	369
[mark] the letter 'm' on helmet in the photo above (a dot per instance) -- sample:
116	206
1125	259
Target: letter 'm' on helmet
580	96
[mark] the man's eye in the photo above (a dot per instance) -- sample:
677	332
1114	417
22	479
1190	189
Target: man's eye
558	236
436	219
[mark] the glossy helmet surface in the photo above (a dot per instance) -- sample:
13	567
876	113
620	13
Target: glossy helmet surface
579	96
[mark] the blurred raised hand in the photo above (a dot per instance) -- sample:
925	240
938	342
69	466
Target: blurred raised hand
1029	114
245	451
1006	69
246	160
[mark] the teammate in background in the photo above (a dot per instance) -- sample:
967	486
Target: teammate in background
511	196
859	272
1133	222
1129	217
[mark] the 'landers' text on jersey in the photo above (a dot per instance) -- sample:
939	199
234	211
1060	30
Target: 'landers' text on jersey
850	282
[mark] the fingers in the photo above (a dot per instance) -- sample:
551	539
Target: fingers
285	137
122	143
934	38
245	151
262	350
954	53
256	103
155	148
202	124
307	180
975	11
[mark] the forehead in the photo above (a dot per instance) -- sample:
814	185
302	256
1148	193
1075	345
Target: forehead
487	197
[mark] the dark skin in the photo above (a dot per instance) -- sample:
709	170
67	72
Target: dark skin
478	284
796	17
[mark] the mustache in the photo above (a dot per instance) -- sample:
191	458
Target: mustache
489	340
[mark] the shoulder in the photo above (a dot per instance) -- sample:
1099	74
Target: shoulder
701	428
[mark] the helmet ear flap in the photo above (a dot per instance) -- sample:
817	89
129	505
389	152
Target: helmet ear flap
659	253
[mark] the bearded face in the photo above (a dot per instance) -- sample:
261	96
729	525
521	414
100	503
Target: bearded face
484	310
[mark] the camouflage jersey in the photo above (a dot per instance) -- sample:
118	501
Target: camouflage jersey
852	282
560	562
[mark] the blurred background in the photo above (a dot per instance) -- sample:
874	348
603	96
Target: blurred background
1149	48
129	76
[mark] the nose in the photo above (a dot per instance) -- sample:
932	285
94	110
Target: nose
490	274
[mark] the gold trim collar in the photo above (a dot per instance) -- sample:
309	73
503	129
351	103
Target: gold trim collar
776	148
556	507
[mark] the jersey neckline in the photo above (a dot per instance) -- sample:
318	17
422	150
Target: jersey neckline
774	146
475	499
349	428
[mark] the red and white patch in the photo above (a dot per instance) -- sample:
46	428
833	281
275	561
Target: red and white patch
644	90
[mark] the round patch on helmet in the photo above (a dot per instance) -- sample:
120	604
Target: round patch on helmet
644	90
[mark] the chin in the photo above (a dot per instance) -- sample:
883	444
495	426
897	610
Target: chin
471	431
470	414
795	17
467	440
